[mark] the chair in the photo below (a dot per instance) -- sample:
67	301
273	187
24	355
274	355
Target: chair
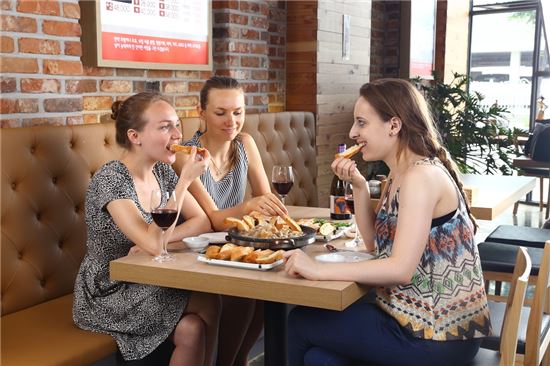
506	355
534	334
538	169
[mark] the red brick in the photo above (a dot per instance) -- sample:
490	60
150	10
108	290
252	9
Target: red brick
187	74
250	34
74	120
90	118
38	7
10	123
259	48
97	103
195	87
160	73
98	71
250	87
19	65
42	46
225	4
206	74
259	74
105	118
247	61
71	10
115	86
8	106
53	121
276	64
239	47
80	86
172	87
238	19
65	29
73	48
259	22
226	60
5	4
40	86
187	101
249	7
63	105
17	24
6	45
139	86
60	67
260	100
220	18
8	85
130	72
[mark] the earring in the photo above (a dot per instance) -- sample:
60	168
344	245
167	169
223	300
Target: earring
139	143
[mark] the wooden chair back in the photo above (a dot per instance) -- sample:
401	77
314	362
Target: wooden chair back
535	344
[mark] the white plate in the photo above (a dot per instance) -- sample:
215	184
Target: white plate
215	238
346	257
255	266
338	233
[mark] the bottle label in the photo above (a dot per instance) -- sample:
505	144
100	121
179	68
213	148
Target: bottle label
338	208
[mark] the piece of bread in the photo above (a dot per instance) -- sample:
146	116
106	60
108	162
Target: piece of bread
238	253
270	258
225	251
241	225
249	221
253	256
185	149
348	153
212	251
292	224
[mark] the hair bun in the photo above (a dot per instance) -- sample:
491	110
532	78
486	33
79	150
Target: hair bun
115	108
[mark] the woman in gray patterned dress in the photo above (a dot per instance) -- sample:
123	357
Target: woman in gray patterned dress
235	161
140	317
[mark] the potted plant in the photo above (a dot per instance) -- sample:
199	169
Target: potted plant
476	136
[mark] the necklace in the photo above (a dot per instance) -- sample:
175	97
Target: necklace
218	170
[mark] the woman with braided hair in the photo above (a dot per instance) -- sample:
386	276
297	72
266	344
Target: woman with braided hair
431	306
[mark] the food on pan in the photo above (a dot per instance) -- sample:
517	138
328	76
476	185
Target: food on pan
243	254
185	149
348	153
274	227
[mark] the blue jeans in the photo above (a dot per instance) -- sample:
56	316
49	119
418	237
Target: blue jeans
363	334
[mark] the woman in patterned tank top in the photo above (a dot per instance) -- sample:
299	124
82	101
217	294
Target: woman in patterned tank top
431	306
220	192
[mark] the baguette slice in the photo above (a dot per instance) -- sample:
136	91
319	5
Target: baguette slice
238	253
348	153
185	149
270	258
241	225
212	251
292	224
225	251
249	221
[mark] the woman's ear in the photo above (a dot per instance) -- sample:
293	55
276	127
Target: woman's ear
395	126
202	118
133	136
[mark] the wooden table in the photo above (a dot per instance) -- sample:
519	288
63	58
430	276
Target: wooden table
273	286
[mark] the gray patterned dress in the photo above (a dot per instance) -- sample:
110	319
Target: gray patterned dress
139	317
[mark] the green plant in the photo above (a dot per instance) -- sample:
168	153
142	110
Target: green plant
475	135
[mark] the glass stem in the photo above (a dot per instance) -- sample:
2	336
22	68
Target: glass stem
164	250
283	200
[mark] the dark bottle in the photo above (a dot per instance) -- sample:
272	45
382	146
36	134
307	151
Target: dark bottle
338	207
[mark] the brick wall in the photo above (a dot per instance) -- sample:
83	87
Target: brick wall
385	36
44	82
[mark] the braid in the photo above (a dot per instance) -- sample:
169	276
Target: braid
453	171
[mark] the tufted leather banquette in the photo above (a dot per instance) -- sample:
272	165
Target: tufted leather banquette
45	173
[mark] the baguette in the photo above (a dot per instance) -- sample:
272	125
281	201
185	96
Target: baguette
348	153
238	253
292	224
225	251
270	258
186	149
241	225
212	251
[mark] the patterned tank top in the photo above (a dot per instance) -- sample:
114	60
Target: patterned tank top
446	298
230	190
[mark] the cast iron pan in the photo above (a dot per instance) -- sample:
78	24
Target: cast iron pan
308	237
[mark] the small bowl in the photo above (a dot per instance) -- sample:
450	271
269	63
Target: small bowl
196	243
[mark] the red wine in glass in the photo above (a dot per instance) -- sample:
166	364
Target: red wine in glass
164	217
283	187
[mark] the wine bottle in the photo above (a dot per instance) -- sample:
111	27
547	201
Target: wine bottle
338	207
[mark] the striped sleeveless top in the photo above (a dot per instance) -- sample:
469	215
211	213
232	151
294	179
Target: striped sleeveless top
230	190
446	298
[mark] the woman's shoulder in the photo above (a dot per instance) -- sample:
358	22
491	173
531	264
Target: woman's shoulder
424	176
109	169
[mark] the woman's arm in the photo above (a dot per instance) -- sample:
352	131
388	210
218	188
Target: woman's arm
417	200
196	220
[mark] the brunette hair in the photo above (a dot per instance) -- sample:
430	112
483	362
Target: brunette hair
221	82
128	114
399	98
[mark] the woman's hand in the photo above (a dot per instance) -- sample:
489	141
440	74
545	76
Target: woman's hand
135	249
299	264
195	165
267	204
346	169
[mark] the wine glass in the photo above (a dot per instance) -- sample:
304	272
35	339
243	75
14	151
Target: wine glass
164	212
348	196
282	179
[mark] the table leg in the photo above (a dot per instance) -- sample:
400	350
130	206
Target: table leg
275	334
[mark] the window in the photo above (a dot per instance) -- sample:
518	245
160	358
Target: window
508	58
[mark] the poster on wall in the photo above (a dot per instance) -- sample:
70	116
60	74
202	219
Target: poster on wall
423	15
147	34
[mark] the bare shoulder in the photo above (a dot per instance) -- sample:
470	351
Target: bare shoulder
424	179
248	142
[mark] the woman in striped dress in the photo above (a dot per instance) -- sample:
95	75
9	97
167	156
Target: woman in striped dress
235	160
